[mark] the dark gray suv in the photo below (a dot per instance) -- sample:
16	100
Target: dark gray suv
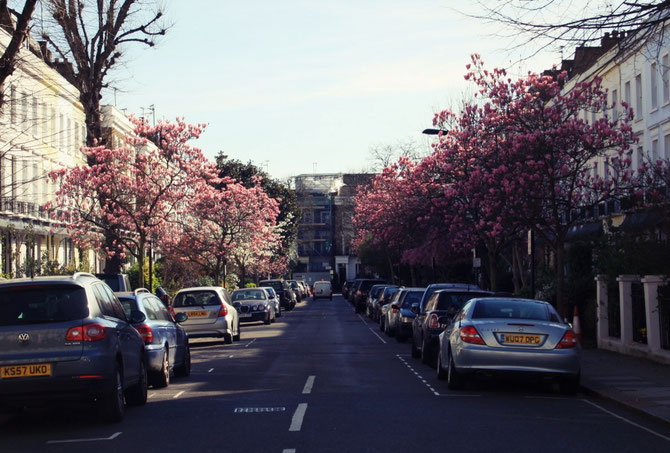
67	338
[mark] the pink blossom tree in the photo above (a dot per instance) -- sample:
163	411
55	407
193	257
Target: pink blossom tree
133	194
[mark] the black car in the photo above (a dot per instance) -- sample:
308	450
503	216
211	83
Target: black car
361	291
346	288
373	295
426	327
67	338
165	341
287	298
384	298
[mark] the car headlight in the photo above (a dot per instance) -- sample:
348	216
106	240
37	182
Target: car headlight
261	307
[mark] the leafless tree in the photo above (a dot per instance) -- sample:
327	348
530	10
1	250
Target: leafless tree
567	23
19	32
382	155
94	33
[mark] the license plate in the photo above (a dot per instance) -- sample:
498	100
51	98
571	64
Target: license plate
515	338
17	371
197	314
245	315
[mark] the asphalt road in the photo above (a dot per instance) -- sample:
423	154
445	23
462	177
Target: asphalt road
325	379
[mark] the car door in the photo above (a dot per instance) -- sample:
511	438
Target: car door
168	327
418	323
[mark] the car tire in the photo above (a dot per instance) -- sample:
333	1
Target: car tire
236	337
111	405
279	313
455	380
569	385
227	339
441	372
137	394
184	369
268	320
425	353
161	379
381	324
415	351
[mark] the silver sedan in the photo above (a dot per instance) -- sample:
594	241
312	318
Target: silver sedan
508	336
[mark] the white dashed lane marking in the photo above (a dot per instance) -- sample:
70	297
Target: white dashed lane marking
178	394
298	416
71	441
308	385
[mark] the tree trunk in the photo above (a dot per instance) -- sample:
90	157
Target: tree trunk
561	304
493	269
515	270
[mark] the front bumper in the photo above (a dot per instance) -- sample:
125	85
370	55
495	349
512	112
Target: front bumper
254	316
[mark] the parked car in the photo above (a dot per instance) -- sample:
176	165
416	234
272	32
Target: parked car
508	335
118	282
297	289
322	289
383	299
67	338
287	297
210	313
274	300
351	293
373	295
384	312
361	293
346	287
253	304
305	288
426	327
165	341
400	317
430	289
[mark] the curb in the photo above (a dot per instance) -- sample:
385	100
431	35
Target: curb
622	404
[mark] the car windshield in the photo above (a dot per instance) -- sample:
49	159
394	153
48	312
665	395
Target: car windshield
34	304
455	301
196	299
511	309
276	284
249	294
412	297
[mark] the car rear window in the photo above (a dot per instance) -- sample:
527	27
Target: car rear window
36	304
196	299
376	292
246	294
514	309
277	285
455	301
129	304
412	297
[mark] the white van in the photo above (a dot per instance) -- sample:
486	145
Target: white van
323	289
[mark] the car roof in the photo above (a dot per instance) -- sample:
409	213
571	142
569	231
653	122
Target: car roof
200	288
75	279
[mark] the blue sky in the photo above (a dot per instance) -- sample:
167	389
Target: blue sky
292	83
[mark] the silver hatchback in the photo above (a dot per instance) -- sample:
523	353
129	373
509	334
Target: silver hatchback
210	313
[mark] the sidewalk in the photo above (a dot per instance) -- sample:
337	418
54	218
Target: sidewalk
640	384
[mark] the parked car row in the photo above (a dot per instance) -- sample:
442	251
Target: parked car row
465	332
72	338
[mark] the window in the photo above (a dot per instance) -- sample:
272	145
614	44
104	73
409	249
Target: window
596	170
36	117
626	93
640	157
638	96
654	150
150	309
606	168
666	81
103	301
654	85
666	147
615	107
12	108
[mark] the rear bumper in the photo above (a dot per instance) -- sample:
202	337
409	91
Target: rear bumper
476	358
219	328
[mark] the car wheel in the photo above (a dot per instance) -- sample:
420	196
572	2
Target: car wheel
137	394
111	404
441	372
415	351
236	337
227	339
185	368
569	385
267	320
279	313
455	379
425	353
162	378
381	324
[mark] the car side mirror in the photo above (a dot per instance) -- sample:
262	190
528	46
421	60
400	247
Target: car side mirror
415	308
137	317
180	317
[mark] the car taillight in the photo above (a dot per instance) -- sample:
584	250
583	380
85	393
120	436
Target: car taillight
223	311
146	333
359	293
433	323
569	340
470	335
87	332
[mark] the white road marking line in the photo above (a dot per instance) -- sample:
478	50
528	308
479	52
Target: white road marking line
298	415
69	441
288	450
627	421
151	395
369	328
248	344
308	385
210	370
178	394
